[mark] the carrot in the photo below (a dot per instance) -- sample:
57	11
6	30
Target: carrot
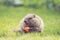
27	29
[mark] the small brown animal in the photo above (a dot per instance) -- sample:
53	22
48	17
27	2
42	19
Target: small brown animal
34	23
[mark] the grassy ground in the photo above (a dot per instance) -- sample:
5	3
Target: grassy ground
10	17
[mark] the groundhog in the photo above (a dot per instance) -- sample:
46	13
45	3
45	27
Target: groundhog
31	22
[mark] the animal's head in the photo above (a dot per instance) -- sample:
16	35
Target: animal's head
29	19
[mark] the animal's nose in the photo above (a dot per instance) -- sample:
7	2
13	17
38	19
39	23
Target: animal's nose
25	21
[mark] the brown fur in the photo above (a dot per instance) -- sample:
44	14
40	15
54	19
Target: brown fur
35	21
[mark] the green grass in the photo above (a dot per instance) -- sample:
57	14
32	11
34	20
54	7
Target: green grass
11	16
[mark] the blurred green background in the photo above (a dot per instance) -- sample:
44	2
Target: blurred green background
10	17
